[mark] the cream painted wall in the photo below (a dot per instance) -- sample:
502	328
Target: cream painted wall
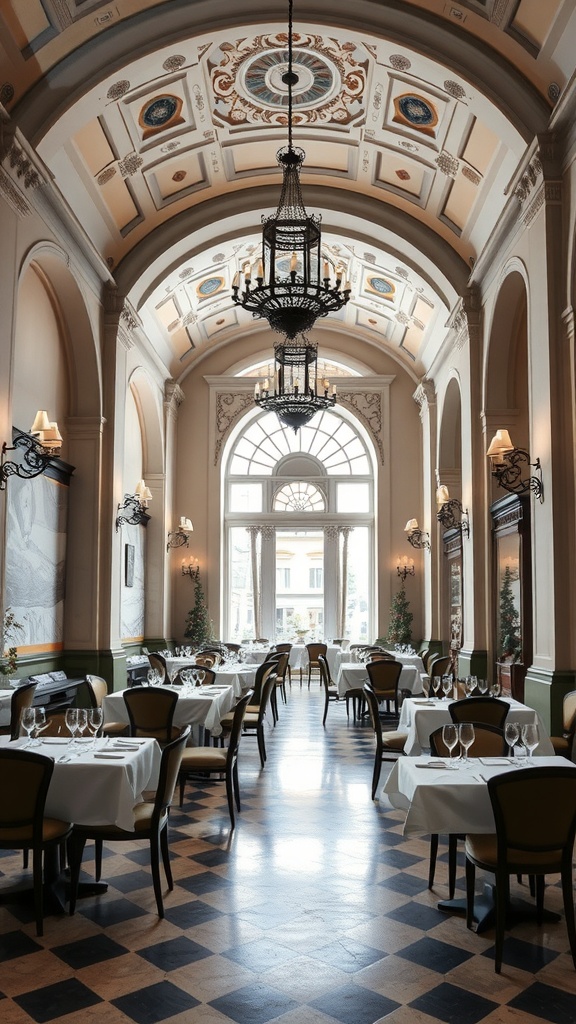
40	377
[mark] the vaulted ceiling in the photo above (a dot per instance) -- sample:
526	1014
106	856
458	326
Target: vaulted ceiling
160	123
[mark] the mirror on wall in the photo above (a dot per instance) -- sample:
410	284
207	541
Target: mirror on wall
511	593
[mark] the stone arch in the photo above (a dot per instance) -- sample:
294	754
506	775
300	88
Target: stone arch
506	370
149	406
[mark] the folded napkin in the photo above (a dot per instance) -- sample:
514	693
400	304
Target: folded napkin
433	764
126	746
425	703
494	760
108	754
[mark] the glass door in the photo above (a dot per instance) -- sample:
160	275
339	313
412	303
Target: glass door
299	611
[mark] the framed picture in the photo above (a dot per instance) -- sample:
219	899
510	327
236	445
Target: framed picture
129	565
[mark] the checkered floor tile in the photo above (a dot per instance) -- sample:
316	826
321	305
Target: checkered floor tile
315	910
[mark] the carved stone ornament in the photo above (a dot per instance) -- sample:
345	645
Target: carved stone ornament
331	532
425	395
367	405
129	317
267	531
528	181
173	394
229	407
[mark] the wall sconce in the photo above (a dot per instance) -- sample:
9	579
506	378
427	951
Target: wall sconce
448	511
507	466
416	537
405	567
179	538
133	508
190	569
39	447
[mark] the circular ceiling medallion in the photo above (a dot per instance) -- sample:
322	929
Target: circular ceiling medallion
179	176
416	110
261	80
209	286
381	285
159	112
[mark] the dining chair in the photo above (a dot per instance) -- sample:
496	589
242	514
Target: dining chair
22	697
438	665
206	660
151	712
484	710
389	743
535	817
314	649
158	662
198	762
286	649
255	717
96	690
331	695
489	741
564	744
150	822
281	668
24	781
384	678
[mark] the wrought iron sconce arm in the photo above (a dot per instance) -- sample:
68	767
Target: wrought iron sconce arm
405	569
416	537
447	516
132	511
508	473
35	460
177	539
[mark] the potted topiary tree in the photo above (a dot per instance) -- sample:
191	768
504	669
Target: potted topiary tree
198	626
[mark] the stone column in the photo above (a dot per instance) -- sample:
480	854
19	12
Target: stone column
268	581
253	531
332	603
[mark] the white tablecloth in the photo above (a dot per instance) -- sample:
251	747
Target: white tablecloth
92	791
419	719
203	706
5	706
441	800
351	675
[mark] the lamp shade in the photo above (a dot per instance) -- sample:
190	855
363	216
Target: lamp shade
41	422
143	492
499	445
411	525
442	495
186	525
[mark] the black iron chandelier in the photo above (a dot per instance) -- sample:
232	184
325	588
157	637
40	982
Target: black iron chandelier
295	393
294	284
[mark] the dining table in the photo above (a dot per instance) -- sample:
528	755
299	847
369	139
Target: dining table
443	796
420	717
352	675
201	707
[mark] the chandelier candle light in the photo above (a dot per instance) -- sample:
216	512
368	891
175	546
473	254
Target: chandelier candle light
295	394
290	292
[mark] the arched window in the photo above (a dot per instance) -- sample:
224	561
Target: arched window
299	530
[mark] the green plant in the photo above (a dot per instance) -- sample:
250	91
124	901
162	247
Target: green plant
510	638
400	622
198	625
10	663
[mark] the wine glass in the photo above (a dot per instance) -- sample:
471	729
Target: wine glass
151	676
470	685
511	735
495	689
426	686
436	685
482	686
40	723
450	738
94	722
72	722
447	686
530	737
28	722
81	721
466	735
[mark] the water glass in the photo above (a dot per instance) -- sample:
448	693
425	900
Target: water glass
28	721
511	735
466	735
81	720
450	737
530	737
95	721
436	685
72	722
447	686
470	685
40	723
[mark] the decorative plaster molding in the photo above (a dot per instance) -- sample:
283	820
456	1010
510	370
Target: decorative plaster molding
535	206
331	532
367	405
532	175
425	395
11	193
229	407
268	532
173	395
129	317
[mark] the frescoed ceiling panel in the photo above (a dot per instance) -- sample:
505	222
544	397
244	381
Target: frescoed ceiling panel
154	117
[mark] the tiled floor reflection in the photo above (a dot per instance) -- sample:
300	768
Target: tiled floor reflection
315	911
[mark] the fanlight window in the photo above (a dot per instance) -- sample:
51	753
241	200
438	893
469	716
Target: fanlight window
331	440
299	497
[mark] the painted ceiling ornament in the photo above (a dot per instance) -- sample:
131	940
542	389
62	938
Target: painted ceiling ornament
119	89
174	63
159	114
399	62
416	112
448	164
454	89
209	287
130	165
381	286
106	175
471	175
247	81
